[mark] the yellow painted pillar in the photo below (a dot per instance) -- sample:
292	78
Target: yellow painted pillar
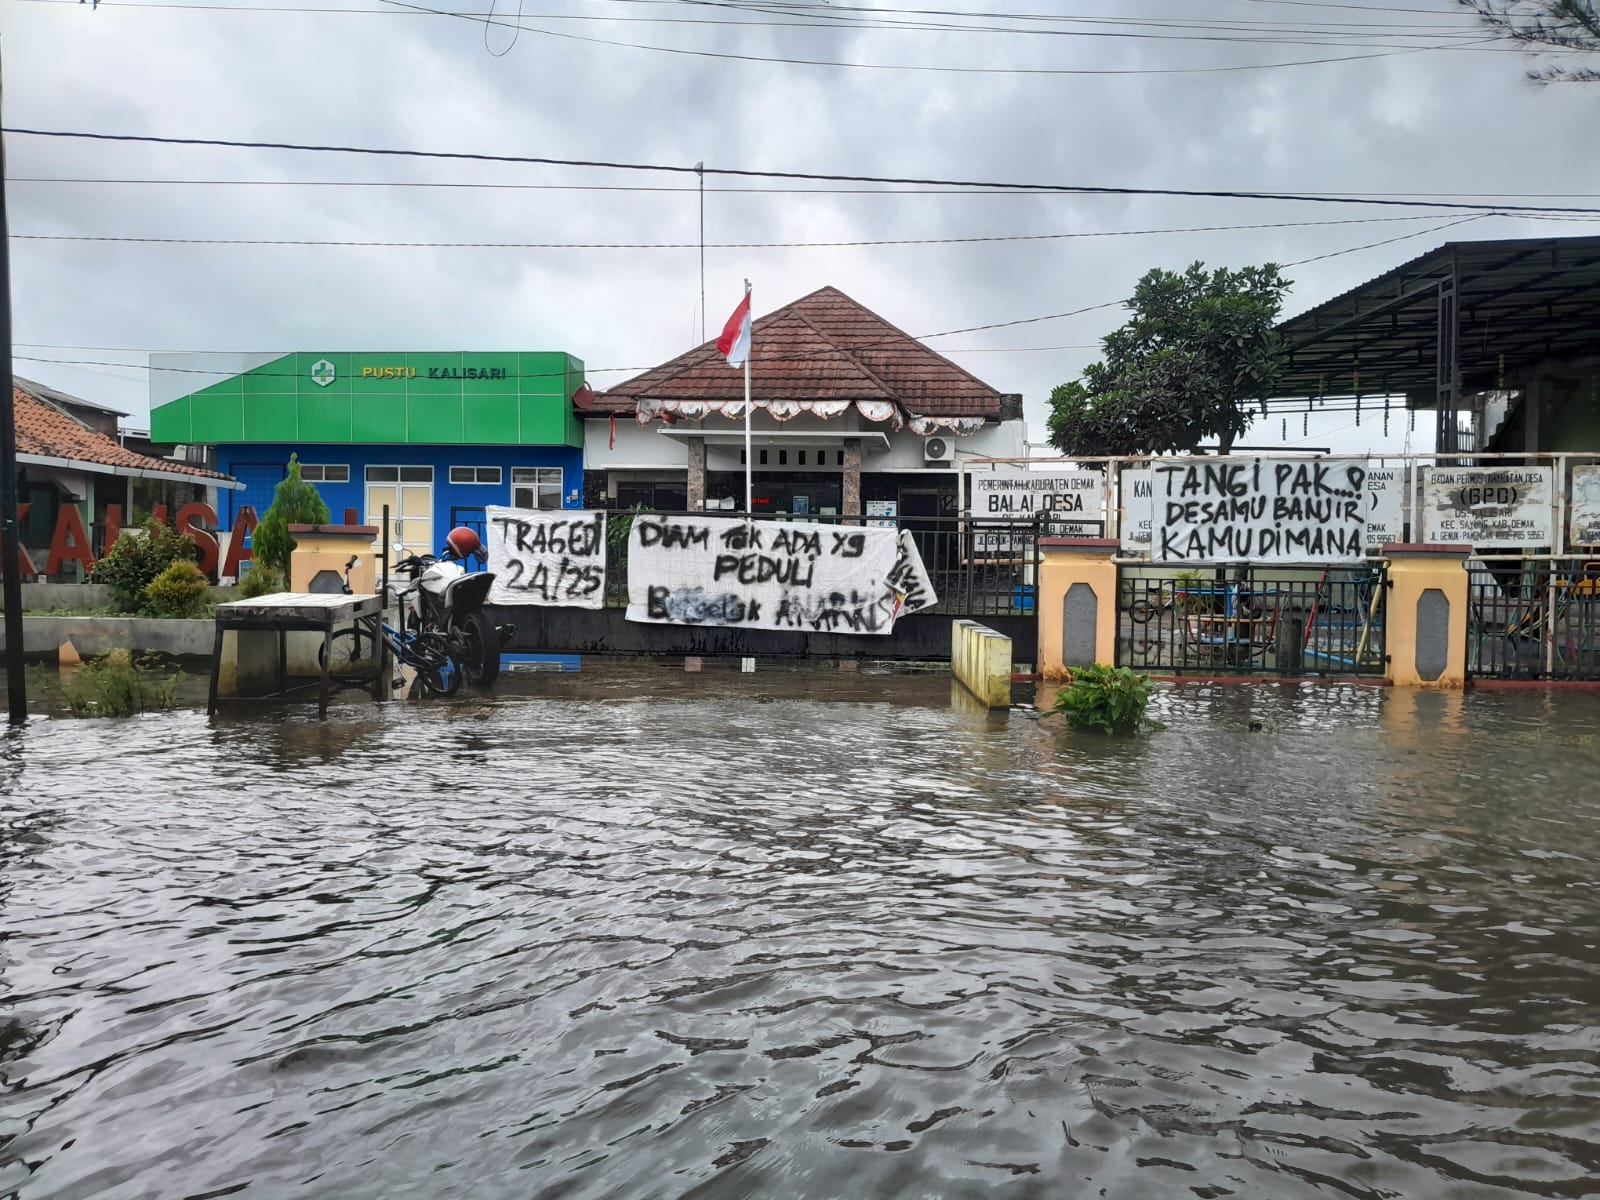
980	658
1425	622
1077	604
320	549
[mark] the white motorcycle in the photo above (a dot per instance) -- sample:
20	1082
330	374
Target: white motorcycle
448	598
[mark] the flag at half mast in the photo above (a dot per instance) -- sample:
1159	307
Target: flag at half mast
734	343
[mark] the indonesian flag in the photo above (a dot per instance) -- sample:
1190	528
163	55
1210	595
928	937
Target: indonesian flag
735	340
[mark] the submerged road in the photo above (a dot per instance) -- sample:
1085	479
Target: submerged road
628	934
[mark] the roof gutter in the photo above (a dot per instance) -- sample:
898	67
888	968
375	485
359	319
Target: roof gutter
73	464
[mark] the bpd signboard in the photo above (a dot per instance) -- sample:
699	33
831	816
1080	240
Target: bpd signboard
1488	506
1073	503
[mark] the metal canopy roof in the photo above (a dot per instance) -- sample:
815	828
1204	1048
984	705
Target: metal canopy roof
1517	303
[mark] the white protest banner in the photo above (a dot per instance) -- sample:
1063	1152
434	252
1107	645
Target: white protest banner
789	575
909	579
1259	510
547	556
1137	510
1385	510
1583	527
1017	494
1490	507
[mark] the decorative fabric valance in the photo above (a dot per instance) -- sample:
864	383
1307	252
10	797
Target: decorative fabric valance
876	411
960	426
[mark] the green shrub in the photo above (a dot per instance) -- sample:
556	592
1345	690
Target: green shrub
294	502
260	580
137	558
179	591
1110	699
116	685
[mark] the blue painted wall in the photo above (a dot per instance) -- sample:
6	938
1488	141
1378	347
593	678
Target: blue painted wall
260	467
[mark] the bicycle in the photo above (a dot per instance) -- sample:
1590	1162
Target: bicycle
352	654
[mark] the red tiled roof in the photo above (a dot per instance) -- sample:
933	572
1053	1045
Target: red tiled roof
49	433
824	346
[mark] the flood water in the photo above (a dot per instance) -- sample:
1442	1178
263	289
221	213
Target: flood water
652	934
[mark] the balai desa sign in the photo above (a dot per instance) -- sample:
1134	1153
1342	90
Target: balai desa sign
1068	503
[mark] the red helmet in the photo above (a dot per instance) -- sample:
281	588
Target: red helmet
463	542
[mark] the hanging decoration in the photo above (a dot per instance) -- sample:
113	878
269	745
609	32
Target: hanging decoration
957	425
876	411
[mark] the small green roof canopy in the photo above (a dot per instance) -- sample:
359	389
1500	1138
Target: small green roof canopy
460	398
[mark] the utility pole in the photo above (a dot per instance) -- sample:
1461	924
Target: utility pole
10	533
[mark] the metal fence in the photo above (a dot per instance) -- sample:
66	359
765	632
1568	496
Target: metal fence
1252	621
1534	619
977	568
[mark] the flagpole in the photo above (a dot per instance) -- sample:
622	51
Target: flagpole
749	458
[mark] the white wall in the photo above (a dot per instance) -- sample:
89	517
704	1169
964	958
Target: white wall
906	452
645	447
637	446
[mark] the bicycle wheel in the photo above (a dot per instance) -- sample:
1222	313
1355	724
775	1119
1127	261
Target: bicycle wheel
1142	609
351	656
437	665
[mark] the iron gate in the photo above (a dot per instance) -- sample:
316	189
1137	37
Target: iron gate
1284	621
1533	619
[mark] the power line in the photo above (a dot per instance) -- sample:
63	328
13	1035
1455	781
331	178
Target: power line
950	241
811	176
635	370
1039	71
884	19
1238	30
758	191
923	337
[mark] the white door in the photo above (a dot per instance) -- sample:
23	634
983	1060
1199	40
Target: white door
408	491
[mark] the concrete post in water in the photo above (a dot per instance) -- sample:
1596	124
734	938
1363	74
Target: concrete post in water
1077	604
1425	623
980	659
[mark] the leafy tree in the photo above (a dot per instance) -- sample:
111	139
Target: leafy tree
1547	25
295	502
1199	348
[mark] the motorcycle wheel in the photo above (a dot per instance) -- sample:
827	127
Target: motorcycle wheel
480	647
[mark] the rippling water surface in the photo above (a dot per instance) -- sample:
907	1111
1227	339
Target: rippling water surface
731	936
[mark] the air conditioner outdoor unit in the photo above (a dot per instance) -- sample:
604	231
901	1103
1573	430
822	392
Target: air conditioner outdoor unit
938	449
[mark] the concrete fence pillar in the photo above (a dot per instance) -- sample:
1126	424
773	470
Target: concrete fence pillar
1425	620
321	551
1077	604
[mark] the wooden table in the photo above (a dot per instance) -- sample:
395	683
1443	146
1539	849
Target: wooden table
282	612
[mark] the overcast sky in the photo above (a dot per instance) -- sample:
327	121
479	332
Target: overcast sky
1163	109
